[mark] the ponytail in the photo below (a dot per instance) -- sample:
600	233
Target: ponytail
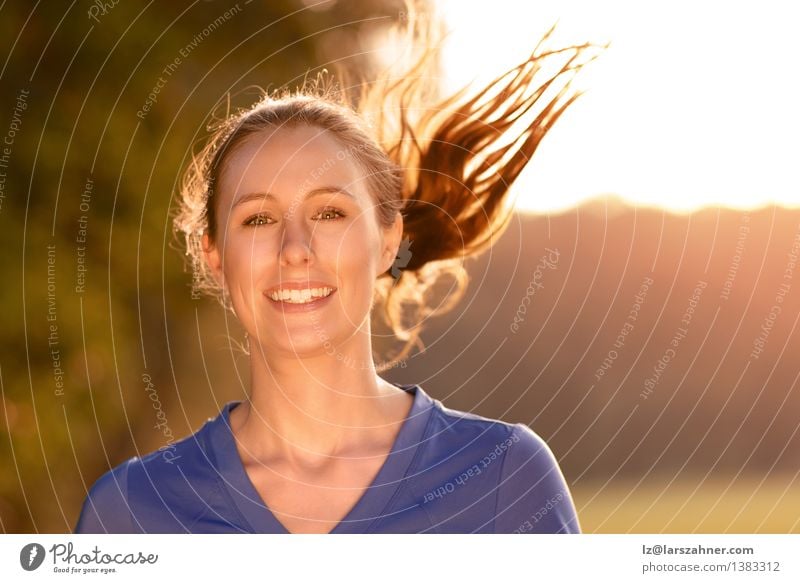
460	157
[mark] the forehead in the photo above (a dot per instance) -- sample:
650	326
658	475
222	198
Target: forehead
287	161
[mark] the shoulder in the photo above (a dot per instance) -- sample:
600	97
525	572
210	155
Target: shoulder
516	444
452	432
533	495
105	508
515	447
530	448
502	476
529	490
466	423
119	496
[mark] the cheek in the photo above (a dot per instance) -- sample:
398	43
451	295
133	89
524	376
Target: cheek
354	253
243	260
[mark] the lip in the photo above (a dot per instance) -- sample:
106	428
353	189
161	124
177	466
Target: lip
289	308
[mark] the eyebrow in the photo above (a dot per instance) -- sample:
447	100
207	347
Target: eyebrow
311	193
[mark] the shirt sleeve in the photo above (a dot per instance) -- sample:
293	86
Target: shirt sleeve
533	496
105	509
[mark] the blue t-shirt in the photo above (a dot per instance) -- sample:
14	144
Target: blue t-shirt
448	472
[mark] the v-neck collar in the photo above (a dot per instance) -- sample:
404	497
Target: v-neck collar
372	502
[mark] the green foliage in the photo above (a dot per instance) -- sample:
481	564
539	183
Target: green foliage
87	121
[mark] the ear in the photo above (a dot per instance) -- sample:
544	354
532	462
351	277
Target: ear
391	243
213	259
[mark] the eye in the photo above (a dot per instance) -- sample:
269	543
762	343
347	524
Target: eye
256	220
332	212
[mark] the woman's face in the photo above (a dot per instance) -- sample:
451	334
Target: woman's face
310	233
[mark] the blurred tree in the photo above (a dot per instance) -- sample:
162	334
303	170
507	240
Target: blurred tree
105	103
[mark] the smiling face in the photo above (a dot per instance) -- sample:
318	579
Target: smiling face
293	209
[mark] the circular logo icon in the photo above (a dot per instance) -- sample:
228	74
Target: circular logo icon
31	556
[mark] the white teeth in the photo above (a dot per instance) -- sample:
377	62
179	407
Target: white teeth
297	296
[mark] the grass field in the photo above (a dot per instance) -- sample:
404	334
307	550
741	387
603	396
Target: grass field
715	505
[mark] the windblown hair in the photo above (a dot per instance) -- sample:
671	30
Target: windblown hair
445	164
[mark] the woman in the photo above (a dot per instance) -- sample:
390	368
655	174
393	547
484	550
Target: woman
301	215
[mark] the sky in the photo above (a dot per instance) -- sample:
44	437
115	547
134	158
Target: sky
693	104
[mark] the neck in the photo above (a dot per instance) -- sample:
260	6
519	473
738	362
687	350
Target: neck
309	411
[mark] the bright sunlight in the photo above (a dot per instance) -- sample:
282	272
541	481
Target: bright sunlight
693	104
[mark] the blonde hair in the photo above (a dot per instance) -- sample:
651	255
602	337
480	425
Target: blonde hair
439	162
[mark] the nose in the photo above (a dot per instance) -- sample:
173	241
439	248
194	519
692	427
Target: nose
295	247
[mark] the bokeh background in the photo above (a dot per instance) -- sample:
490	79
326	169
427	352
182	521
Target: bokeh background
656	351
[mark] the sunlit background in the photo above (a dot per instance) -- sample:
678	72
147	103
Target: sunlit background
693	104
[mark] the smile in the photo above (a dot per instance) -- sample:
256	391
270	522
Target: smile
300	296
